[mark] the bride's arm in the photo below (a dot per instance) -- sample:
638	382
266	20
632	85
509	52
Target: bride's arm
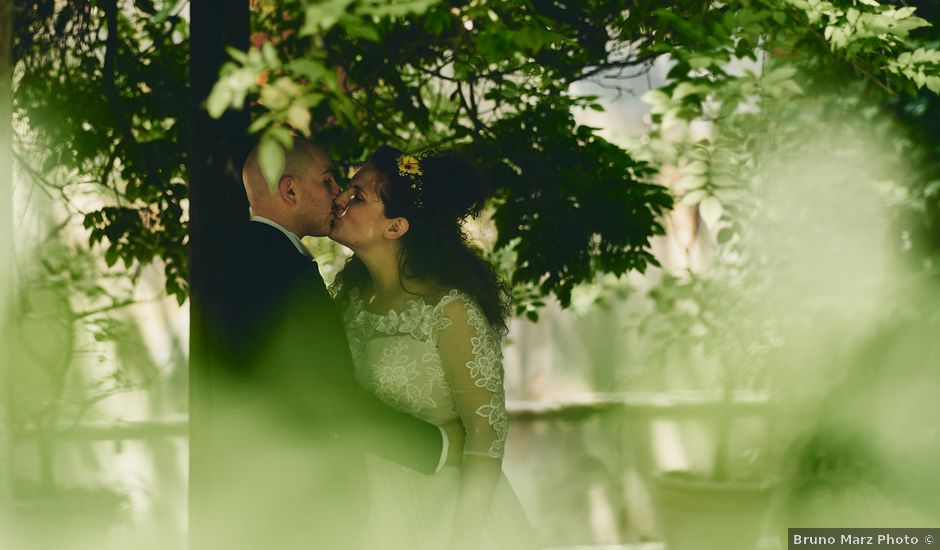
472	362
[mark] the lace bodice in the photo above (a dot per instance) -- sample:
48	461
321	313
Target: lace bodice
438	362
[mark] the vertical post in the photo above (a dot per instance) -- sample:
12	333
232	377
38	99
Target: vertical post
6	257
217	203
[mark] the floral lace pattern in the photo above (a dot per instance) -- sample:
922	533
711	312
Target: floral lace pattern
396	357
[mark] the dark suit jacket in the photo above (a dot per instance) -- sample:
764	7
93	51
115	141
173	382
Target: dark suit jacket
287	420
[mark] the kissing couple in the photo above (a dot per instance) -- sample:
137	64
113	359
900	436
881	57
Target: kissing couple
371	415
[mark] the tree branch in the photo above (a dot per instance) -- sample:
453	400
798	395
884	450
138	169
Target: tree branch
36	175
857	67
111	44
477	123
604	67
112	307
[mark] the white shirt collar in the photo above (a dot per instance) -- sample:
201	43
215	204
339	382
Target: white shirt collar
287	232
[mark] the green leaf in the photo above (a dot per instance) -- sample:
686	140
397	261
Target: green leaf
700	61
219	99
697	167
311	100
779	74
933	84
395	8
269	54
165	12
685	89
902	28
259	124
255	59
313	70
656	98
357	27
902	13
321	16
790	86
237	55
852	15
693	197
274	99
437	22
724	180
271	159
710	208
299	117
110	256
282	135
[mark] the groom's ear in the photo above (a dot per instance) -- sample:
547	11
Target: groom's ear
287	190
397	228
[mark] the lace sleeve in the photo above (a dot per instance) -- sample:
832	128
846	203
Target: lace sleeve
472	361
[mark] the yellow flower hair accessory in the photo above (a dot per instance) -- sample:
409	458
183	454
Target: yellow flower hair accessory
410	167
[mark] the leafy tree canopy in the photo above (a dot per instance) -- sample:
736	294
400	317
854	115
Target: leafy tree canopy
98	112
101	81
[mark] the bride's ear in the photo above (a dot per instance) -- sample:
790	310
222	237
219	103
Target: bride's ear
397	228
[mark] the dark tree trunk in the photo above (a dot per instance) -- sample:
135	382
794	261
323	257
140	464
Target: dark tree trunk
217	203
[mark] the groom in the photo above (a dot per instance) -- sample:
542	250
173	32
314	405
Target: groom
288	420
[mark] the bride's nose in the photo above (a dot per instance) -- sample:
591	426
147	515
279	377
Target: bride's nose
342	201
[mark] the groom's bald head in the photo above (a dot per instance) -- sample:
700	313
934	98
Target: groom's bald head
302	198
297	160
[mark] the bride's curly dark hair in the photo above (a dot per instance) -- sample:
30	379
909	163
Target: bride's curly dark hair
435	247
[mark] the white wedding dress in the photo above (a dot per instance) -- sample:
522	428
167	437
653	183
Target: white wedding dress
438	362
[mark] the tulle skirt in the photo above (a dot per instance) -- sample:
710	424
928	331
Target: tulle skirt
413	511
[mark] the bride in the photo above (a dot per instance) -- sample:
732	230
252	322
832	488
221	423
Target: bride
425	316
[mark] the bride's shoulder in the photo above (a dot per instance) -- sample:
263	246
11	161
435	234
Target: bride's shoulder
455	303
442	297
